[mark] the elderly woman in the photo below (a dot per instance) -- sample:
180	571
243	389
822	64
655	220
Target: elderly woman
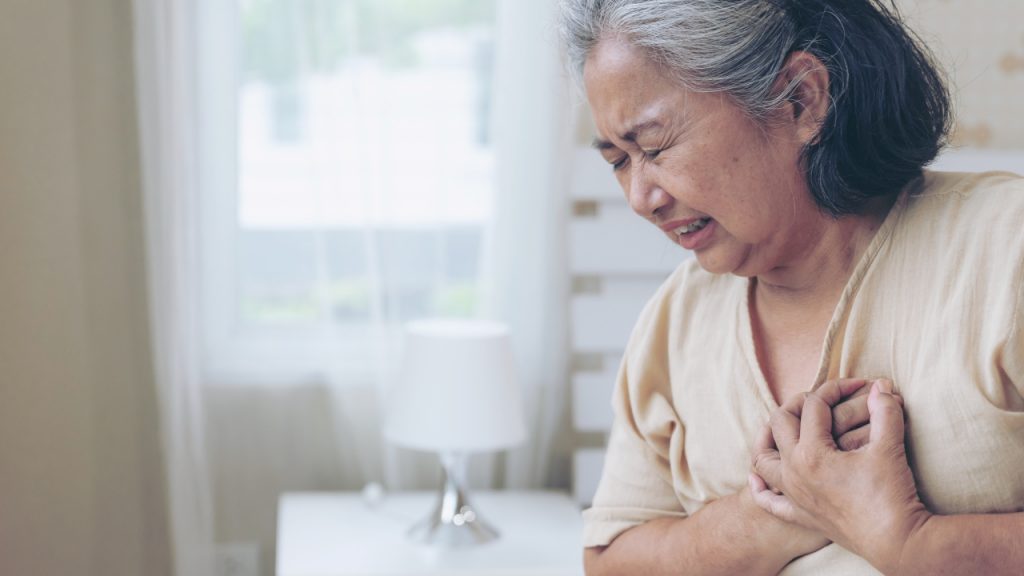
760	424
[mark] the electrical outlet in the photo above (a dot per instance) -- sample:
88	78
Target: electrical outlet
238	559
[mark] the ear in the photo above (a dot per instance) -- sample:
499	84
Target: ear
807	80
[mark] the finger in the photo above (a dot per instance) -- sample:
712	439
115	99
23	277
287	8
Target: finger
777	505
886	385
855	438
859	436
852	412
767	465
785	430
794	404
849	414
834	391
764	440
816	423
886	411
855	386
765	457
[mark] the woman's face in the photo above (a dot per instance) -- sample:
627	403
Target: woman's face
696	166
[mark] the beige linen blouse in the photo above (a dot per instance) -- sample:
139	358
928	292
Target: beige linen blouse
935	304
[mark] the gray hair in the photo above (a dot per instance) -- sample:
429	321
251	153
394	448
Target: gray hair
889	110
736	46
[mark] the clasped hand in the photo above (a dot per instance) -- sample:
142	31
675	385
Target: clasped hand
833	461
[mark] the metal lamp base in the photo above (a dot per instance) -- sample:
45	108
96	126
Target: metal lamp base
454	522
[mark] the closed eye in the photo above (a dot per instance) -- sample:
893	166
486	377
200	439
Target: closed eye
652	154
619	164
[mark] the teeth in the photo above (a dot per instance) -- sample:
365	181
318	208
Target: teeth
692	227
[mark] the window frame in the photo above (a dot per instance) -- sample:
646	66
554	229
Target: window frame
233	354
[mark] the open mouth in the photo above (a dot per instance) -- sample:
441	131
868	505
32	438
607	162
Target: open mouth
695	226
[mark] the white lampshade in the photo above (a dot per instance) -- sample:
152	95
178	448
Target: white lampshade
457	389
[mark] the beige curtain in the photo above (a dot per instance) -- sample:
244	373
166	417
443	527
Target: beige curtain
81	472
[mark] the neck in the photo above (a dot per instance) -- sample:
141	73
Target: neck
828	253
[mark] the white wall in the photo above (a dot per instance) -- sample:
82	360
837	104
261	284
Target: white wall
81	480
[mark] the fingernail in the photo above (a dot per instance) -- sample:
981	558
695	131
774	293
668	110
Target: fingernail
883	385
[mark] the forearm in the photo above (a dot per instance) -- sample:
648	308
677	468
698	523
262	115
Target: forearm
727	536
990	544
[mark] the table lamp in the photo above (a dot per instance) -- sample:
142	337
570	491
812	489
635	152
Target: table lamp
456	394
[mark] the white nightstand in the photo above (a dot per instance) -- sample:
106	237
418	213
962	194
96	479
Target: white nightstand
340	534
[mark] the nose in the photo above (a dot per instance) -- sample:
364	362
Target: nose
645	195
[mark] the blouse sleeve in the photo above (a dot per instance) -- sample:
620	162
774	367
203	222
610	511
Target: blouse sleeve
636	483
1013	353
1006	293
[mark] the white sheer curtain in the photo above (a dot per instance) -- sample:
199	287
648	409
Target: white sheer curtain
524	277
526	270
166	84
268	431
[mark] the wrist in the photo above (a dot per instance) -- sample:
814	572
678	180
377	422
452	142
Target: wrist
903	549
774	535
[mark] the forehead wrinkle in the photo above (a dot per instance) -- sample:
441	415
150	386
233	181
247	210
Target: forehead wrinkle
630	135
636	129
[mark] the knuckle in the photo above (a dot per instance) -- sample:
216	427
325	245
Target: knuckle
792	405
845	441
855	439
761	461
848	416
863	391
808	460
831	390
890	408
841	415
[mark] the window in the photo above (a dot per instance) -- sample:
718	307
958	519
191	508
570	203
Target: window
363	179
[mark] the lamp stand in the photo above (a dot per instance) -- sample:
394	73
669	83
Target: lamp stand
454	522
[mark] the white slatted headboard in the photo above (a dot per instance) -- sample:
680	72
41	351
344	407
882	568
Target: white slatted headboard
976	160
617	260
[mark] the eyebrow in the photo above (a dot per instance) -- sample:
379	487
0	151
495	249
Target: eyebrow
629	136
